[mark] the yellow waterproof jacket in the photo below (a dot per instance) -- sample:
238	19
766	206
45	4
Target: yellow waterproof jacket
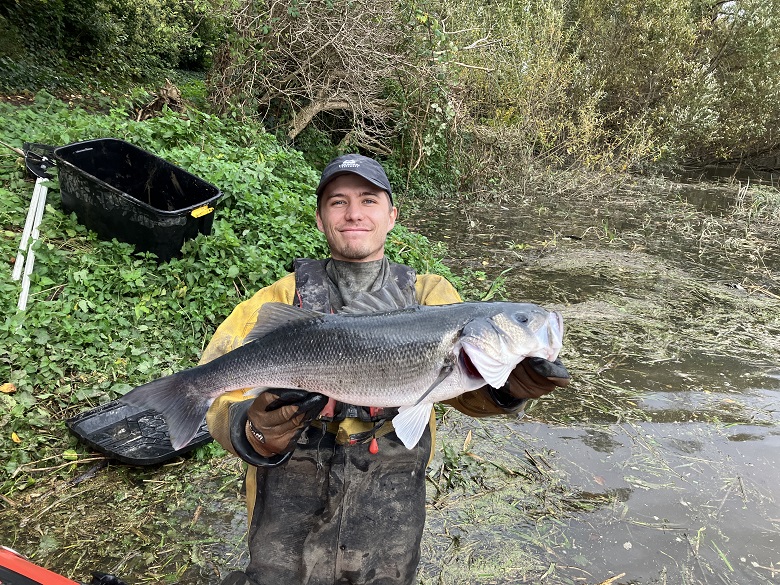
431	289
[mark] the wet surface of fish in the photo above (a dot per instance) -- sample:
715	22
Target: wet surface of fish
372	354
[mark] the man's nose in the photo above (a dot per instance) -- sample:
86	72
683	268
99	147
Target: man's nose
354	211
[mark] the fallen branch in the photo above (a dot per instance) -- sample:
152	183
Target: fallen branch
612	579
307	113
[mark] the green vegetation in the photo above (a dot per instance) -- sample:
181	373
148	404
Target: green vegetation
615	85
526	87
106	44
102	319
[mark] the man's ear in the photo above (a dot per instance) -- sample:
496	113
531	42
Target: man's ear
319	220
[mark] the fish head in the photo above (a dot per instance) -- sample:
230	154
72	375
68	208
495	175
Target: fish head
495	343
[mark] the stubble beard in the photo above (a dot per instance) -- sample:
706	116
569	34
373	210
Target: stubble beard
355	252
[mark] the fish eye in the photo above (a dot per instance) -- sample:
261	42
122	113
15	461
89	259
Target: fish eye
521	318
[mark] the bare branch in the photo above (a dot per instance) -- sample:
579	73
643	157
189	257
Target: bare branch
348	66
305	115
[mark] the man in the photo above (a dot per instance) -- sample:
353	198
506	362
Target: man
340	500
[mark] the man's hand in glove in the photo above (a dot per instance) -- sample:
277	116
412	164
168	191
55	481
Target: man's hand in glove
534	377
277	417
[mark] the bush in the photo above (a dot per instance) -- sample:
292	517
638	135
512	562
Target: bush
729	107
609	85
360	76
119	39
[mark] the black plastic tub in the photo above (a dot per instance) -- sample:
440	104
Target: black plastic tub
121	191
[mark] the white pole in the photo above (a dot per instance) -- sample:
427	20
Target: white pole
34	233
28	266
17	273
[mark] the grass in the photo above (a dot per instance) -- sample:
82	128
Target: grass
129	521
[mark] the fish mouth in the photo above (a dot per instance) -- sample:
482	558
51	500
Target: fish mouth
551	334
555	328
468	368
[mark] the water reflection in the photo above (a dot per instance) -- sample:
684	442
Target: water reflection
600	441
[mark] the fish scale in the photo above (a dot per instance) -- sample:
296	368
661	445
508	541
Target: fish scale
362	358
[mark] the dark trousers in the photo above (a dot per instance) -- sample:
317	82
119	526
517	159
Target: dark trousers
336	515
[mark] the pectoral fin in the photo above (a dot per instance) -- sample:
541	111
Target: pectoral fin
445	371
410	422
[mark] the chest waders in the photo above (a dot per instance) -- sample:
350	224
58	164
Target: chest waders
334	513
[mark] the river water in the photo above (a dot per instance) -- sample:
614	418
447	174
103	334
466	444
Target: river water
660	462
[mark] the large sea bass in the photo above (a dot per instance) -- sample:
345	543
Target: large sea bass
371	354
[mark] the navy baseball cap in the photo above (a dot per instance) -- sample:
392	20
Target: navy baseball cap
356	164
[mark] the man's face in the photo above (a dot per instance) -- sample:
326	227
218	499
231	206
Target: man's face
355	216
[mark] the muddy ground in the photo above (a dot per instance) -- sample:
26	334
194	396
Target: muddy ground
657	465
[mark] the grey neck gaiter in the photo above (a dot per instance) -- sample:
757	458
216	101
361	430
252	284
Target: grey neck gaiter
347	279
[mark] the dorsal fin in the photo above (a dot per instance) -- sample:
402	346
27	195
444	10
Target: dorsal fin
388	298
275	315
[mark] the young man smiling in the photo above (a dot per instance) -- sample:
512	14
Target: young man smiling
355	215
333	496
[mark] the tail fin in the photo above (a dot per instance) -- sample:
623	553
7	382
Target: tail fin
182	409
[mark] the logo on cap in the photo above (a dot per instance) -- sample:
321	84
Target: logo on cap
350	164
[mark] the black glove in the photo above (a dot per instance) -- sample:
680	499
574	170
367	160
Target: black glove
265	431
532	378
